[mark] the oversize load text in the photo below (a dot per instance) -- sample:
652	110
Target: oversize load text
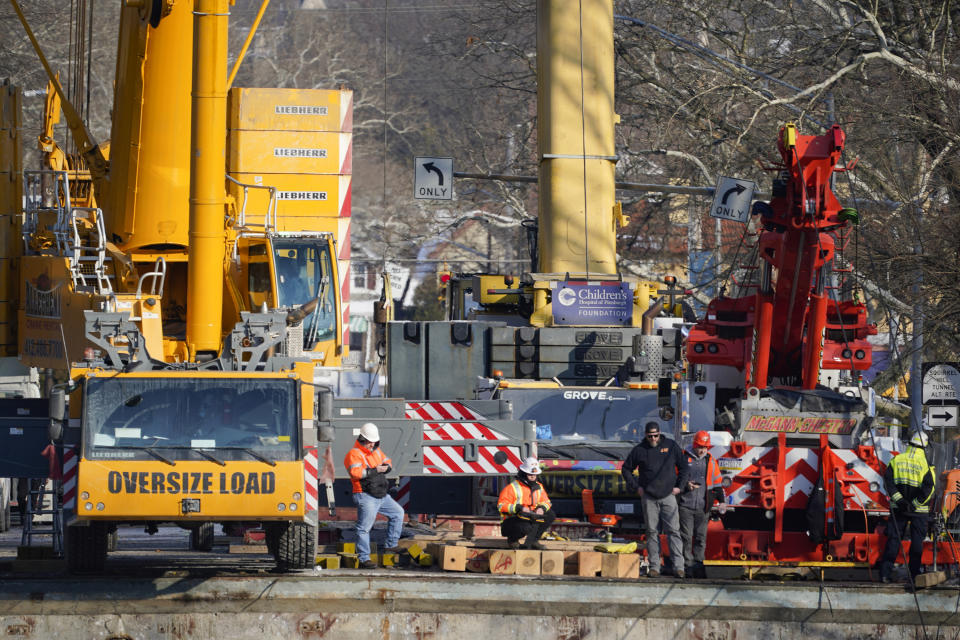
191	482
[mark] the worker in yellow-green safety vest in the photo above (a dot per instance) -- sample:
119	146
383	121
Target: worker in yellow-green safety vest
909	481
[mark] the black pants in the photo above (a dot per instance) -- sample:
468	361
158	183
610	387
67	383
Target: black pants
896	527
515	527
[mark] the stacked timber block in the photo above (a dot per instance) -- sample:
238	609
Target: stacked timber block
589	563
503	561
478	560
528	562
620	565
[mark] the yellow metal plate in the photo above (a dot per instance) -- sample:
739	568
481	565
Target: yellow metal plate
153	490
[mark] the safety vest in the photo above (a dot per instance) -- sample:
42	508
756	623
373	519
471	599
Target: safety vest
909	469
358	460
517	495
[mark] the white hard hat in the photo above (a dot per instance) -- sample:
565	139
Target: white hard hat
919	439
369	432
531	465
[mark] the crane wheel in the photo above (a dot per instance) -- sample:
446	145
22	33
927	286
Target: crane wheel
296	545
201	538
86	547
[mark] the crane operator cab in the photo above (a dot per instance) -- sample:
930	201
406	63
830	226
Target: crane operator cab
295	273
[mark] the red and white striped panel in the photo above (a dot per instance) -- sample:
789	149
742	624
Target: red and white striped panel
440	411
346	153
855	467
343	265
801	474
310	470
346	110
69	480
403	492
802	471
454	421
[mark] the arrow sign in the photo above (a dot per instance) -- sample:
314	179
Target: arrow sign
738	189
731	200
429	166
433	178
941	416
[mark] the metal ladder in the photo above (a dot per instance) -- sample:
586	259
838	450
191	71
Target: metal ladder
35	507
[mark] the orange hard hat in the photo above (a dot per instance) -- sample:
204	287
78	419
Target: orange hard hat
702	439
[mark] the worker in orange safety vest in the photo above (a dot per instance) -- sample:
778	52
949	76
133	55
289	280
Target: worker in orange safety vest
368	467
703	489
525	509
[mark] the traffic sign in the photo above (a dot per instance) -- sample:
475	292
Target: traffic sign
942	416
731	200
941	382
433	178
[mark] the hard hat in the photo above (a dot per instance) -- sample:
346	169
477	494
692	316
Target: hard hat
531	465
702	439
919	439
369	432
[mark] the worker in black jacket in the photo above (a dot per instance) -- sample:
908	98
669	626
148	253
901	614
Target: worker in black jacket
661	475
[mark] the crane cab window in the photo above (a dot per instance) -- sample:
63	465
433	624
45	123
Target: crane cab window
257	264
234	418
304	272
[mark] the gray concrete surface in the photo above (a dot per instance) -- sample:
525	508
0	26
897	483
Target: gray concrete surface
156	588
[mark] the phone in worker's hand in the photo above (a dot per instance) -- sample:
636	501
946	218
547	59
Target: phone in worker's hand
695	485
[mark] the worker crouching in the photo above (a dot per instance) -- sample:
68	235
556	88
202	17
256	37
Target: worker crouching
525	509
368	467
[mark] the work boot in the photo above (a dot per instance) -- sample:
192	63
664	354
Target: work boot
536	546
368	564
653	573
679	575
513	544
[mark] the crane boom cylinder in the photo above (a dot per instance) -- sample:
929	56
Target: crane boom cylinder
575	85
207	194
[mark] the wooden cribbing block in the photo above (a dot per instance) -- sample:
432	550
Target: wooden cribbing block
570	561
589	563
930	579
503	561
620	565
551	563
346	547
528	562
425	559
349	560
415	551
328	561
453	558
478	560
475	529
248	548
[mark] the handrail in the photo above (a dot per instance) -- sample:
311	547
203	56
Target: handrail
159	272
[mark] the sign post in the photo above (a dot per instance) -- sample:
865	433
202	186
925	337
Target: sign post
941	394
